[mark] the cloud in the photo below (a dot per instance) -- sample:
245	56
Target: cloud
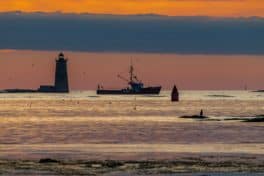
138	33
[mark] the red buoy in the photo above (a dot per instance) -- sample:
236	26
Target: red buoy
175	94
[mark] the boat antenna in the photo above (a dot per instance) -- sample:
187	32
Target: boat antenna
121	77
131	71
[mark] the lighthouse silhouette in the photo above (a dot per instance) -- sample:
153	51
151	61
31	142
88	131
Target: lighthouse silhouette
61	75
61	80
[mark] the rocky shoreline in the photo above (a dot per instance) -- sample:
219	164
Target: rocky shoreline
118	167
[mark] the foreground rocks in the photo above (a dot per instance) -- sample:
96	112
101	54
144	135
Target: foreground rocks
187	165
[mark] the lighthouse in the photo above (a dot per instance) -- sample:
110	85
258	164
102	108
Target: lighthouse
61	78
61	75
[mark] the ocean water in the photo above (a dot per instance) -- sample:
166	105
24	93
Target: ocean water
82	125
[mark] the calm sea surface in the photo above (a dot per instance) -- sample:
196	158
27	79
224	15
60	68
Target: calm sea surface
83	125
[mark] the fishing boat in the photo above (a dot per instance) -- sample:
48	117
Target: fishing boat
135	86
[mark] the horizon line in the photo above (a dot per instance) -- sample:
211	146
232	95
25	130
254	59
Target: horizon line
10	50
128	15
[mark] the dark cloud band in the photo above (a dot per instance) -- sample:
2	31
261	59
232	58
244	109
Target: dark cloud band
139	33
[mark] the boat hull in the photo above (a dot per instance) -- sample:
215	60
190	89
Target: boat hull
143	91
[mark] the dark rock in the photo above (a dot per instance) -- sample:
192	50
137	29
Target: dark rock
261	91
257	119
112	164
194	117
47	160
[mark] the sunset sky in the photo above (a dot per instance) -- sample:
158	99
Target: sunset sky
165	7
219	51
29	69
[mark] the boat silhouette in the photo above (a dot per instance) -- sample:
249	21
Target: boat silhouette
135	86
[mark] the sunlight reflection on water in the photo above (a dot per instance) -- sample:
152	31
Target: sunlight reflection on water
67	120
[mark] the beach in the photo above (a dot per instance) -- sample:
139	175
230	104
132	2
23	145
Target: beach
137	135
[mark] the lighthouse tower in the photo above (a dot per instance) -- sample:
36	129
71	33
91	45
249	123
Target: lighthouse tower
61	78
61	75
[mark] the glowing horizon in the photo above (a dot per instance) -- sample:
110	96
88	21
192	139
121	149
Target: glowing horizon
29	69
217	8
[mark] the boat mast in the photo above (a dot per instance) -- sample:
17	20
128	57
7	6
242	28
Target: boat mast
131	72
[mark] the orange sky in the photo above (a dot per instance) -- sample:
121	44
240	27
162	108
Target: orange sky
29	69
232	8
